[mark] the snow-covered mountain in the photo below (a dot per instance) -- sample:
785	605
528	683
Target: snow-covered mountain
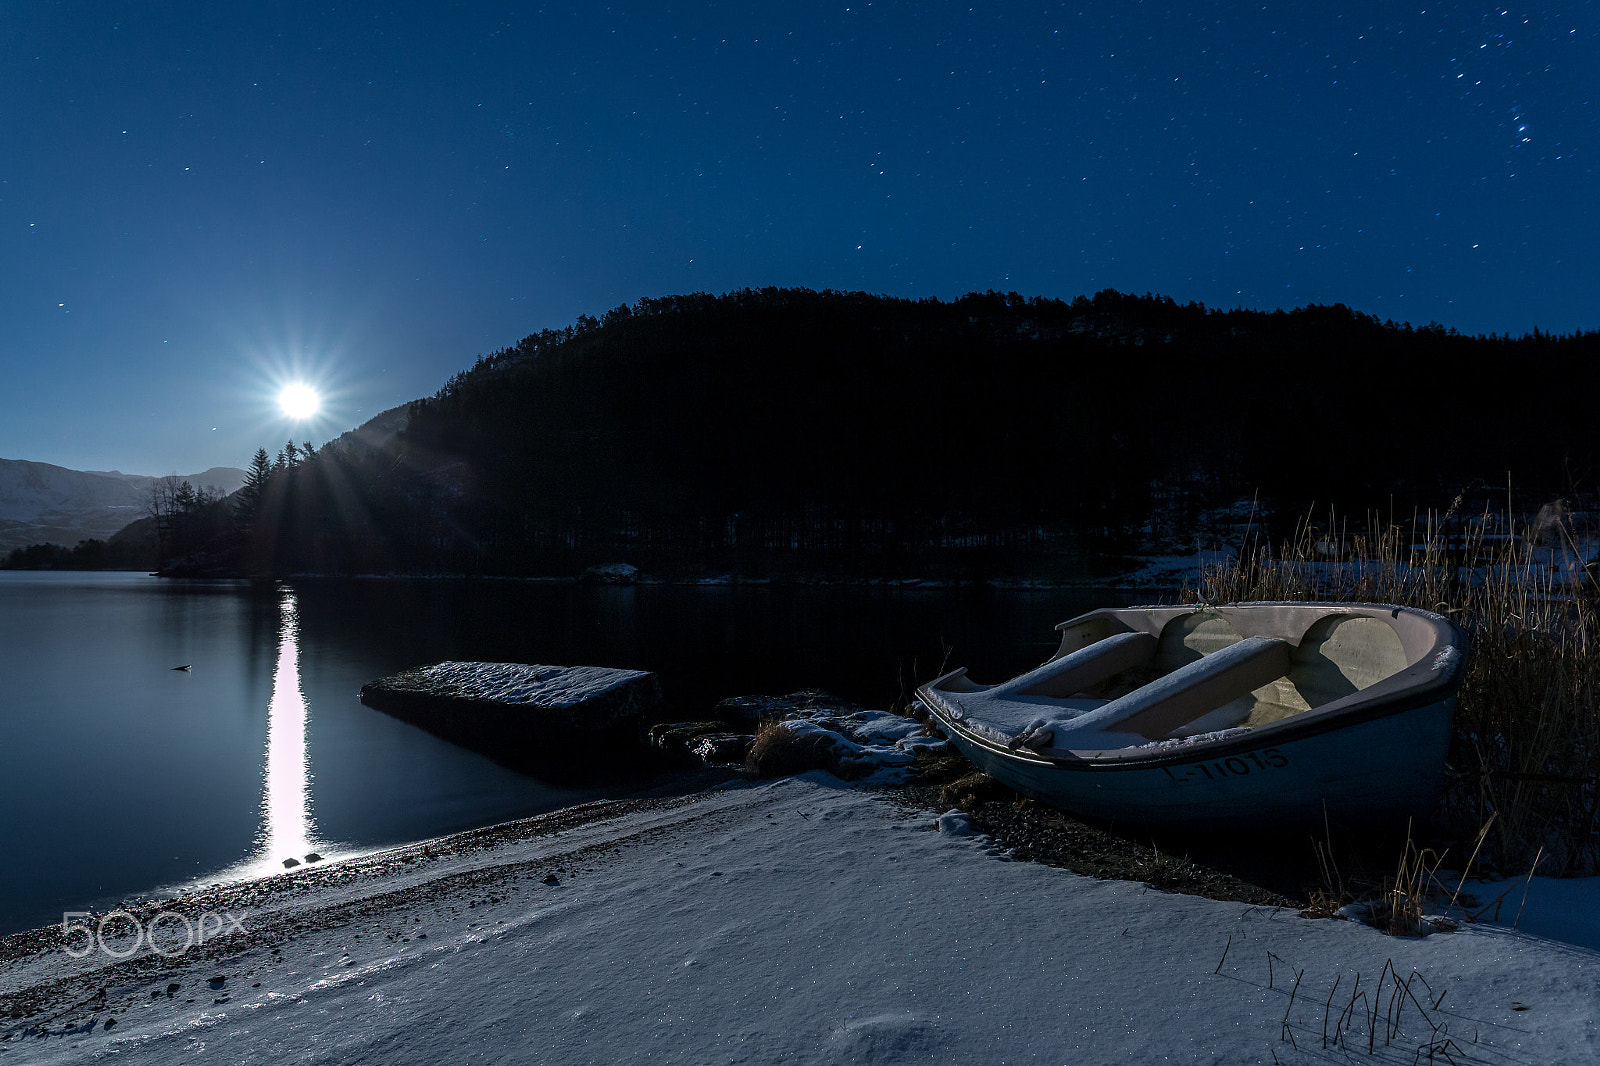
41	503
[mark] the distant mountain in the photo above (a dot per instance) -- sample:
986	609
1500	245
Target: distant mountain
41	503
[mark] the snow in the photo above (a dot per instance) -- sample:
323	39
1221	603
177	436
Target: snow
878	747
1565	909
800	921
547	686
1167	572
611	574
1174	743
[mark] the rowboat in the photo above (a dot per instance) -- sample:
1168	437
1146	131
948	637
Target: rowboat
1212	716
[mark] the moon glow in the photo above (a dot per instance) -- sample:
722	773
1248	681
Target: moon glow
299	401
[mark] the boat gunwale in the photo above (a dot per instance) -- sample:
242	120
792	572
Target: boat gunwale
1441	685
1108	759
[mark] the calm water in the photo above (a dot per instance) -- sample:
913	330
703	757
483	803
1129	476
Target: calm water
123	775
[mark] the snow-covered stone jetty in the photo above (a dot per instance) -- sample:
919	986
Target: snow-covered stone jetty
512	711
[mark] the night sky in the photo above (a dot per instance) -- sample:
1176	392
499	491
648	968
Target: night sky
201	202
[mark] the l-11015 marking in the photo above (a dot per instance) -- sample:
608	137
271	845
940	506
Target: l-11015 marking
1233	766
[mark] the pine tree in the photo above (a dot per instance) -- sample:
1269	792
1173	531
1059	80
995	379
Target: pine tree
247	501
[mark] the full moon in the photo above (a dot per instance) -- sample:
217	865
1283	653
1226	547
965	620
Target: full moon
299	401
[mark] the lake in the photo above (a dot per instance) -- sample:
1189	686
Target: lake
124	776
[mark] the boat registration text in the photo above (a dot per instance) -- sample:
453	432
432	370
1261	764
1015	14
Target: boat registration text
1233	766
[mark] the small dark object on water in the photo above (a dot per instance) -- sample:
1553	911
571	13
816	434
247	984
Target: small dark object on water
551	880
219	980
110	1022
313	857
173	987
184	667
290	862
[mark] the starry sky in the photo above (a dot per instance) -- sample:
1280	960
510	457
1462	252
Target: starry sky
200	202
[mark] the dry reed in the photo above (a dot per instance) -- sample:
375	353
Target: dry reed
780	750
1526	746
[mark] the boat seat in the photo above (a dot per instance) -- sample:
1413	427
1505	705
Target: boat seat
1166	704
1081	670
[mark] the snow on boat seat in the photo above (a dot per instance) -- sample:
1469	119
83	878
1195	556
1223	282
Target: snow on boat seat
1201	675
1211	692
1083	669
1050	693
1188	639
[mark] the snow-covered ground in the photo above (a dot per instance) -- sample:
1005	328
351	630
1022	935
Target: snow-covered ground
1168	572
797	921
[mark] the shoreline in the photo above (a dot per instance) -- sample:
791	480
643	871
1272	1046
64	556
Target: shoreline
309	897
1157	585
803	919
213	890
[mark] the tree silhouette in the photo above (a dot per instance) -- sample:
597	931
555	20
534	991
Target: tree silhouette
792	430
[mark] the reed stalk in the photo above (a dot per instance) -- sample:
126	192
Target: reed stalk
1526	744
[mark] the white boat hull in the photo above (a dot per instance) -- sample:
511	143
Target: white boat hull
1256	714
1391	767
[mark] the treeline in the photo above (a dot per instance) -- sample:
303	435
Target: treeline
91	554
791	429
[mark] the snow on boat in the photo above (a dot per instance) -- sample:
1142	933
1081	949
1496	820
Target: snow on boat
1201	715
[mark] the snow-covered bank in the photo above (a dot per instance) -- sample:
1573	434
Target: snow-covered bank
799	921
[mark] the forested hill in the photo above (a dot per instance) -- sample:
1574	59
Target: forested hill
742	430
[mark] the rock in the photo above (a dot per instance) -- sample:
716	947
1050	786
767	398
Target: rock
290	862
517	712
751	711
676	737
954	823
313	857
715	748
551	880
110	1022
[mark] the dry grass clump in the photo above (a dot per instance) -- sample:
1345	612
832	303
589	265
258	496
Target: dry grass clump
1399	908
1526	747
779	751
941	767
968	792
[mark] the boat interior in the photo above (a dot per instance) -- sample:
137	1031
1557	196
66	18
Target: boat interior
1130	677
